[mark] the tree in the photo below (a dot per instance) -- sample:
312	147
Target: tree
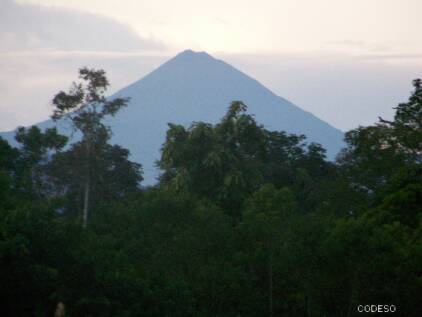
229	161
224	162
265	222
35	153
8	156
407	124
112	175
377	152
85	105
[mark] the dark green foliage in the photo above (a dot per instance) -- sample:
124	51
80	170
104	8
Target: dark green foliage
227	162
244	221
407	123
35	152
112	174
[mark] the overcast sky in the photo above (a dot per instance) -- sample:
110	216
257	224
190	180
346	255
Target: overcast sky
345	61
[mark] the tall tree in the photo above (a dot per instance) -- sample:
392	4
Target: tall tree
229	161
85	105
219	162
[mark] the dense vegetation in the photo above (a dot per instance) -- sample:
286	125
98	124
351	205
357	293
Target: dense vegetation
243	221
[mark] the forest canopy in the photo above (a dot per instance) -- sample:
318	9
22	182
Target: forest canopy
243	221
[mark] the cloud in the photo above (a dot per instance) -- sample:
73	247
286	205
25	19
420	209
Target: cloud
403	57
354	46
30	27
41	49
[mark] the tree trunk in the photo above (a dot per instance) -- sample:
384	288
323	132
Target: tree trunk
270	283
87	185
86	203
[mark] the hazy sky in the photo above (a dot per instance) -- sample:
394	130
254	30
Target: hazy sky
345	61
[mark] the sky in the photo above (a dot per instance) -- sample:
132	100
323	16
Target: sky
347	62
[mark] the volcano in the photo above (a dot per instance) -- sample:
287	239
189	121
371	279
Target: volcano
194	86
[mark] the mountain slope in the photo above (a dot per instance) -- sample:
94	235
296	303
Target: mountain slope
196	87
